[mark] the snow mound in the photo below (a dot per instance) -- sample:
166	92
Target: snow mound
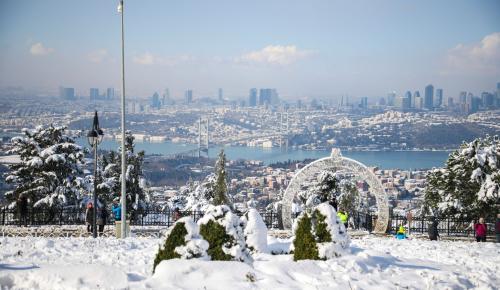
255	232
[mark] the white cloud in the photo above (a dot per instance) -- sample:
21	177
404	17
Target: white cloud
144	59
150	59
97	56
477	58
39	49
275	55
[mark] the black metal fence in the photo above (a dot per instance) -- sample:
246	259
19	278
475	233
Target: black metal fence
446	226
272	219
76	216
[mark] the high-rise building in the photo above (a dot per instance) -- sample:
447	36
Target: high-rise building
268	96
67	93
498	95
188	96
252	97
391	99
410	99
404	102
429	97
110	93
487	99
462	98
155	101
221	94
419	103
364	103
438	98
94	93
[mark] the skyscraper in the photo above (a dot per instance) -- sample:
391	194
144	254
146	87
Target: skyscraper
188	96
110	93
268	96
391	98
221	95
155	101
429	97
364	103
67	93
409	97
94	93
438	98
252	97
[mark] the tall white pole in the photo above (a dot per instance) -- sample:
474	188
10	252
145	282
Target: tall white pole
124	156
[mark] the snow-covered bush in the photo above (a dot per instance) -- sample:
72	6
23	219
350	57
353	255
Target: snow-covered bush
330	233
255	232
320	235
469	184
223	231
182	241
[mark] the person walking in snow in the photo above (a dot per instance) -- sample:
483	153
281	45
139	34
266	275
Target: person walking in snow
22	207
481	230
89	217
177	214
433	230
497	228
117	210
343	217
102	216
401	233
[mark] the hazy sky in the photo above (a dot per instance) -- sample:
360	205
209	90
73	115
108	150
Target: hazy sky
302	48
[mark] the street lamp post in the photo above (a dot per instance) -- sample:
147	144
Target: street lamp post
124	160
95	137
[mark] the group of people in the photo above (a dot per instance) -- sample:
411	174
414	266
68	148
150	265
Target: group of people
101	216
480	229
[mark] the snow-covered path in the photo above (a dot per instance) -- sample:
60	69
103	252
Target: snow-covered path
374	263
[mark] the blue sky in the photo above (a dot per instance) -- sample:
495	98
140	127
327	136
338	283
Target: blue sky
302	48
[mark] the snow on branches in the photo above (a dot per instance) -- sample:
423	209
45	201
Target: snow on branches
469	184
50	167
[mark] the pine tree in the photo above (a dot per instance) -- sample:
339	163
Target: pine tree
50	170
305	247
469	184
220	190
110	184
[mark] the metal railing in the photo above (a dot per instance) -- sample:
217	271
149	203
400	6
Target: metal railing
76	216
447	226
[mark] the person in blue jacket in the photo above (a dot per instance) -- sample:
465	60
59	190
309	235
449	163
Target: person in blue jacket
117	210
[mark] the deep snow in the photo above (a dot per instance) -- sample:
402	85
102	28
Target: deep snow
373	263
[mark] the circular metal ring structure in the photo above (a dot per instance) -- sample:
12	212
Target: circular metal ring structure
334	163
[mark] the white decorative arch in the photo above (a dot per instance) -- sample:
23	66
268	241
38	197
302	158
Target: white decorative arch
337	162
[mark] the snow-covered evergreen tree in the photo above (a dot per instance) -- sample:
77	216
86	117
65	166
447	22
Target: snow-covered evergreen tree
223	230
198	196
330	187
220	191
469	184
319	234
49	173
109	177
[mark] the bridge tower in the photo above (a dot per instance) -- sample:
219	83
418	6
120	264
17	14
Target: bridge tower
203	136
284	127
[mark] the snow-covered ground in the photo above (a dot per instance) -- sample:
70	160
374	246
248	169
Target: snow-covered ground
373	263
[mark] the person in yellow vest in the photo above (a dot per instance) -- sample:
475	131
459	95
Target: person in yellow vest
343	217
401	233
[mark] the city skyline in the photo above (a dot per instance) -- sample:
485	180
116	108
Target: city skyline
323	49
